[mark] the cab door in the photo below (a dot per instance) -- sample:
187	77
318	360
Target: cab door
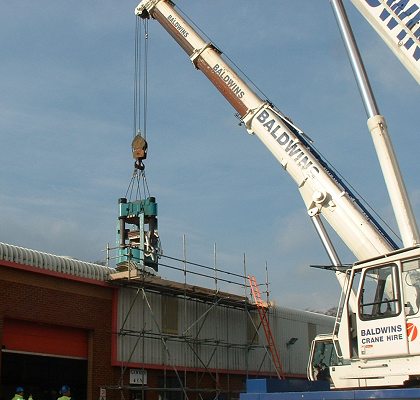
381	325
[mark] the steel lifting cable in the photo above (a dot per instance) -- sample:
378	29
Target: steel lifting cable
140	77
138	184
137	52
145	86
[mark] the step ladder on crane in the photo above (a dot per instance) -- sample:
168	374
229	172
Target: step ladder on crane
262	308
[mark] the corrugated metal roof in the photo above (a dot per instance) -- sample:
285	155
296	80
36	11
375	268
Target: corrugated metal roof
51	262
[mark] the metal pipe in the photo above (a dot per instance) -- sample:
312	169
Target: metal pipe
326	241
355	58
391	172
122	232
332	254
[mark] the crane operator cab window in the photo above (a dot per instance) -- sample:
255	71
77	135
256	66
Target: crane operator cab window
378	297
411	286
322	358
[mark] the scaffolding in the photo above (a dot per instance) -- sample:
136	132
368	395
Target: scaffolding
180	380
184	300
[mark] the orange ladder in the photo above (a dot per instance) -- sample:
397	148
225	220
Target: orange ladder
262	308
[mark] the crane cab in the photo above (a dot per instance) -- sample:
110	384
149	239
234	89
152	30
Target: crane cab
376	339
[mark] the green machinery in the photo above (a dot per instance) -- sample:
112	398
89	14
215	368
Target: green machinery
137	235
138	238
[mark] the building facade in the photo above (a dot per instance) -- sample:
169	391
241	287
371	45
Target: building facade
105	333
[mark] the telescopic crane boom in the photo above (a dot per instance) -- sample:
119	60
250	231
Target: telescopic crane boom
373	341
322	191
379	313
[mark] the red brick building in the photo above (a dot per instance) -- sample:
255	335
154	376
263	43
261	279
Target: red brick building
55	329
64	321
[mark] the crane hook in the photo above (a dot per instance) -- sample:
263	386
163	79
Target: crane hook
139	149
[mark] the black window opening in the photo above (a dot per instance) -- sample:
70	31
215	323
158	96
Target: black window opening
42	376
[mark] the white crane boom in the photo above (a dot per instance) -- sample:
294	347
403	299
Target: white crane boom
322	191
373	334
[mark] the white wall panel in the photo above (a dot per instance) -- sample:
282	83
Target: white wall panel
214	337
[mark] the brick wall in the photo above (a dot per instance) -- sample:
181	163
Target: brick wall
38	297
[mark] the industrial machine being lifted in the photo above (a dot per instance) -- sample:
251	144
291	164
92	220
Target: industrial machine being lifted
375	341
137	231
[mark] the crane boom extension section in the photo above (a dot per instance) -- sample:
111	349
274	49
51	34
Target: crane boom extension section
322	191
397	23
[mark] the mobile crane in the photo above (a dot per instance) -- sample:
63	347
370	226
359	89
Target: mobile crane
375	341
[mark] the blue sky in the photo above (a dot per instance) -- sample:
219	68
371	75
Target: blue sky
66	104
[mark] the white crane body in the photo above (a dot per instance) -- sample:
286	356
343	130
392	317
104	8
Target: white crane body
372	337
